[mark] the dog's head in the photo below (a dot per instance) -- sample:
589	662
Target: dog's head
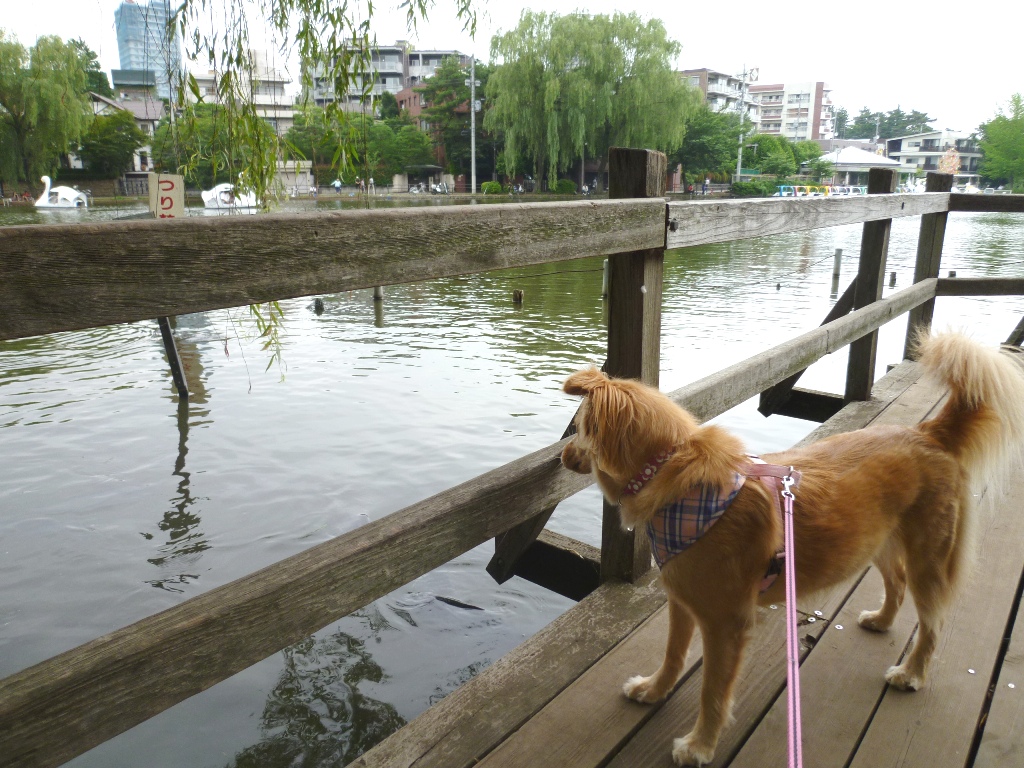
620	425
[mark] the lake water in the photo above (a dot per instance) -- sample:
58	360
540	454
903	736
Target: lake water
117	501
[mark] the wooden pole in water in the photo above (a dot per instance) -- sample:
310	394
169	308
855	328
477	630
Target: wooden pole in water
177	371
378	293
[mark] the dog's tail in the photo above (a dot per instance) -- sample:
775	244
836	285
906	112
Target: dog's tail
982	422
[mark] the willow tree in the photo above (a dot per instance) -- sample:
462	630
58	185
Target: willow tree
568	87
1002	145
44	106
334	43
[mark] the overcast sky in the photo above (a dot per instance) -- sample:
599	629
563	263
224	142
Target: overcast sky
959	62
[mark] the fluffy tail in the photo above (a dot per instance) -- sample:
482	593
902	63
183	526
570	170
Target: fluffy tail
982	423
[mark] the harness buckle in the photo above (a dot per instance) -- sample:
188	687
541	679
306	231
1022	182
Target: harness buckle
787	483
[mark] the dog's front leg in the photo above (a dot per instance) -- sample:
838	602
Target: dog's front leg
657	686
724	642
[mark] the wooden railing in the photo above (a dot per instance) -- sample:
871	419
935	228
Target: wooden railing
58	278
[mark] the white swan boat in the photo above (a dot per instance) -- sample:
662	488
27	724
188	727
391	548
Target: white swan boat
61	197
224	196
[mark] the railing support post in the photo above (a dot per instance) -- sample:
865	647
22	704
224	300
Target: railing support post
634	336
874	246
929	254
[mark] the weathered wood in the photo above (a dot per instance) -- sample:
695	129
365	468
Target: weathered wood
841	682
987	203
929	255
465	726
860	371
1016	337
936	725
720	221
1002	742
810	405
91	693
173	361
979	286
563	565
634	336
60	278
717	393
773	398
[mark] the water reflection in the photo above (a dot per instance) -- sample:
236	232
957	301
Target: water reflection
317	716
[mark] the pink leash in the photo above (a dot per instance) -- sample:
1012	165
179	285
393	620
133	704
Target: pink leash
796	753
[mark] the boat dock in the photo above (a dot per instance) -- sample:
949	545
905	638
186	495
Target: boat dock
556	700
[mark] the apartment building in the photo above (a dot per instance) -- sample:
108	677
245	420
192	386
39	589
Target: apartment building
392	69
266	86
923	151
798	111
143	42
722	92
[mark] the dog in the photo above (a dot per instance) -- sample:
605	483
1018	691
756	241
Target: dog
898	497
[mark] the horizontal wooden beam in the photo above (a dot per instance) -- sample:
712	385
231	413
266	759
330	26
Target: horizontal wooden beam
987	203
561	564
719	221
717	393
810	405
980	286
61	278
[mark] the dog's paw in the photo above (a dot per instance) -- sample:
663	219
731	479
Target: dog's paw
873	620
900	677
641	689
686	751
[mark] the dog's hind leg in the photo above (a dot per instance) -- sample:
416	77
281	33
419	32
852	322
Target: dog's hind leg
680	633
890	565
724	640
932	592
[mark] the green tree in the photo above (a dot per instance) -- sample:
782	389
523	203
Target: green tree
887	125
805	151
1002	145
774	155
96	79
710	143
387	105
842	121
819	168
44	109
110	143
568	84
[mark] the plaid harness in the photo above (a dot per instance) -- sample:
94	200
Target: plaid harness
677	526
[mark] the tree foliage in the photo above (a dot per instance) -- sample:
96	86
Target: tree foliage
110	143
446	96
1002	145
842	122
710	144
568	84
44	108
887	125
774	155
95	78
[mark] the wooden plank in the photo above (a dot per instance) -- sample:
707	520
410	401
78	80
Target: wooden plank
929	256
936	725
634	336
980	286
987	203
93	692
810	404
1002	743
561	564
841	682
462	728
874	247
731	386
720	221
774	397
60	277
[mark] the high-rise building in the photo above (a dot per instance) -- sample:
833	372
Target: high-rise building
143	42
798	111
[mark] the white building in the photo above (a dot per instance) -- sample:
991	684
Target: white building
266	86
798	111
923	151
148	113
722	92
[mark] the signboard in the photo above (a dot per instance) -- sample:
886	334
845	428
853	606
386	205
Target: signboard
166	195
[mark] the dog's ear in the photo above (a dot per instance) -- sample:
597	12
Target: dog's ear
583	382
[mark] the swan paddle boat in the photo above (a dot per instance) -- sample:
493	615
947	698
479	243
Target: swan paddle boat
61	197
224	196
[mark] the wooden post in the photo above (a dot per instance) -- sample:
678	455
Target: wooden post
634	336
177	369
929	254
874	245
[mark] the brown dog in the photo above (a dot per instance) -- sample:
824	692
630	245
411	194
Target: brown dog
899	497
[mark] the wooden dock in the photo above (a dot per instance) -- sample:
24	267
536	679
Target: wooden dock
556	700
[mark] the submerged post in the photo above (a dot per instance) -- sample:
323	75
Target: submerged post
177	370
874	246
929	254
634	336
